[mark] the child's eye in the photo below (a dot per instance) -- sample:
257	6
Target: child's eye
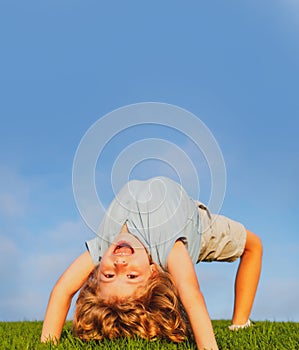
132	276
108	275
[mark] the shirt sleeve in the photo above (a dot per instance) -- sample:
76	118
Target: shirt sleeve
94	248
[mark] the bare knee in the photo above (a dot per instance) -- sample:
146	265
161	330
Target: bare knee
253	243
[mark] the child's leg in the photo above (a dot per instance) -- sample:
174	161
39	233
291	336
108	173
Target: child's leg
247	278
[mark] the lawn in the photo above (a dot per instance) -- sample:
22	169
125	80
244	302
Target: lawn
263	336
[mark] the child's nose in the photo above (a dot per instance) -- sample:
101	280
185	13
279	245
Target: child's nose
120	262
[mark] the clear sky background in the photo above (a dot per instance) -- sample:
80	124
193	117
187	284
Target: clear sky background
66	63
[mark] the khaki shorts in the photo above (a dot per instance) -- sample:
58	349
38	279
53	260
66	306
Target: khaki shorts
222	239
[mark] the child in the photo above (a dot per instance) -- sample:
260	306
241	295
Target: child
145	251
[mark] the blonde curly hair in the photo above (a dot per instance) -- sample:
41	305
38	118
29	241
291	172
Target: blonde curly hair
156	313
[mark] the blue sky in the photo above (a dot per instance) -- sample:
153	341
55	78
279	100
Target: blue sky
65	64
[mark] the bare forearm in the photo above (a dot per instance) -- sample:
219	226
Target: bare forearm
55	317
195	307
182	270
60	300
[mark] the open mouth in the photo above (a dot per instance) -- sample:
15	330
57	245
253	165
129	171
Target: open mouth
123	248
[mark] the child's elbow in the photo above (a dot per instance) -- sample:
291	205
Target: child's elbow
62	289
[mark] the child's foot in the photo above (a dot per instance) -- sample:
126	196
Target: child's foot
236	327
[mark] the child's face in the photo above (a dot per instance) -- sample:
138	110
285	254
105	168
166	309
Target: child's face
125	267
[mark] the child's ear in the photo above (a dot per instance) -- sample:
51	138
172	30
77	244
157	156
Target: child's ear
154	269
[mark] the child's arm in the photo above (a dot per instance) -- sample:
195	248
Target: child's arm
182	270
61	296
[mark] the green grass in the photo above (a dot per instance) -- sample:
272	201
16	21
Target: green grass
263	336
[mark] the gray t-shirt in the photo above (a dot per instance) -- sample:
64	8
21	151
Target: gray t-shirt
158	212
